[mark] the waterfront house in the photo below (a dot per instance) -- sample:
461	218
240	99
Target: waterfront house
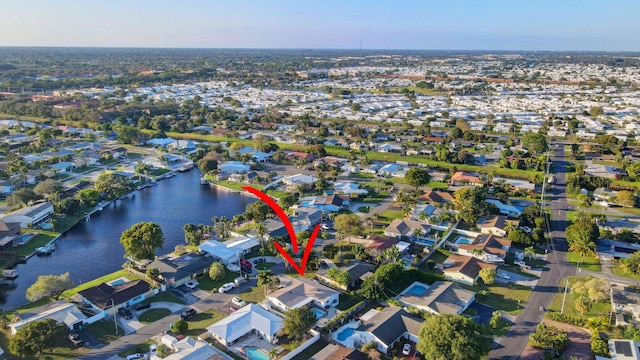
60	311
464	269
30	216
298	292
387	327
299	179
228	251
441	297
177	271
121	294
234	167
248	319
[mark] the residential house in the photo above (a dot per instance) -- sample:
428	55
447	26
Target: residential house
387	327
604	194
378	243
299	179
60	311
228	251
343	353
515	184
357	270
435	197
305	218
390	148
116	153
234	167
393	170
495	224
620	349
177	271
626	300
462	178
63	167
298	155
6	187
401	228
9	228
506	209
331	203
494	248
250	318
605	171
192	349
441	297
104	296
464	269
30	216
349	187
299	292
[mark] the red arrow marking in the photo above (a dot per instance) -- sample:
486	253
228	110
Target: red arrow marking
292	235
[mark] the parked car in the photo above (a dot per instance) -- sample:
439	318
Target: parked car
153	349
226	287
406	349
125	313
75	339
191	284
259	260
325	227
238	302
142	306
231	309
553	354
188	313
504	276
137	356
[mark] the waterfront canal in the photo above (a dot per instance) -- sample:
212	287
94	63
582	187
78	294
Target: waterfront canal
92	249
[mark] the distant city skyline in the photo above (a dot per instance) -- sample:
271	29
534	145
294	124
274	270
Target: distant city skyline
584	25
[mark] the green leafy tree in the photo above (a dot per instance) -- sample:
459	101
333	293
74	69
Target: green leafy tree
453	337
548	336
535	142
36	336
594	289
495	319
339	276
111	185
181	326
217	271
626	198
373	287
192	234
348	224
581	236
22	196
48	187
153	273
141	240
49	285
297	322
261	230
469	202
488	275
88	197
417	177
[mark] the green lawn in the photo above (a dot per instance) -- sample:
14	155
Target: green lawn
64	223
375	197
198	323
140	348
347	301
104	330
63	349
118	274
364	209
360	175
598	309
311	350
159	171
234	185
165	296
392	214
618	270
153	315
254	294
30	247
590	262
205	282
509	298
265	266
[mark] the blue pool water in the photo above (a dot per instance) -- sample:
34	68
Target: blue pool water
24	238
117	282
319	313
253	353
462	240
345	333
416	289
425	242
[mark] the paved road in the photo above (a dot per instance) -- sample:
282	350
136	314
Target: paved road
513	344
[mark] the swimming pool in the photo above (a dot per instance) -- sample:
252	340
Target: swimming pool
253	353
425	242
344	334
24	238
463	240
319	313
118	281
416	289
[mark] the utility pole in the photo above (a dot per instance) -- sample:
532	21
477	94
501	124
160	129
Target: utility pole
564	297
115	323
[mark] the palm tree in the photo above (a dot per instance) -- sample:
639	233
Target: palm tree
273	353
477	252
582	304
582	248
530	251
416	233
585	201
261	231
509	227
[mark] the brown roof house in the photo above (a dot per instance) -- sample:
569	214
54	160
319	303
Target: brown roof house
464	269
494	248
441	297
495	225
462	178
118	295
400	228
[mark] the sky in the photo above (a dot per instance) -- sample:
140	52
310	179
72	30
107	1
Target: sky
558	25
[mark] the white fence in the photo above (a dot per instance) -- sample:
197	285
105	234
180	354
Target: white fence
302	347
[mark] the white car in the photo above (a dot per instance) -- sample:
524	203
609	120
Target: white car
191	284
238	302
324	227
153	349
504	276
226	287
406	349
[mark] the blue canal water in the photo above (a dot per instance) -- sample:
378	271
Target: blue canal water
92	249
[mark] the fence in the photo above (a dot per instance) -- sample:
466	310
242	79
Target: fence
302	347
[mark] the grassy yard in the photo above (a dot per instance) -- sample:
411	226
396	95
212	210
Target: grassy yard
158	171
265	266
375	197
64	223
104	330
254	294
140	348
234	185
392	214
590	262
360	175
153	315
165	296
598	309
311	350
618	270
30	247
198	323
118	274
63	350
508	298
347	301
205	282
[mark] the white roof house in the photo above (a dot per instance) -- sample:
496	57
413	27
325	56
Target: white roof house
246	319
349	187
228	251
30	215
299	292
234	167
65	313
192	349
299	179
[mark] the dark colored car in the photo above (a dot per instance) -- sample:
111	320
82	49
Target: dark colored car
553	354
259	260
187	314
75	339
142	306
125	313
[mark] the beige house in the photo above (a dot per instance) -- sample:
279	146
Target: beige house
464	269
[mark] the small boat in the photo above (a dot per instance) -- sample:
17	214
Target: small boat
45	250
204	181
10	274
